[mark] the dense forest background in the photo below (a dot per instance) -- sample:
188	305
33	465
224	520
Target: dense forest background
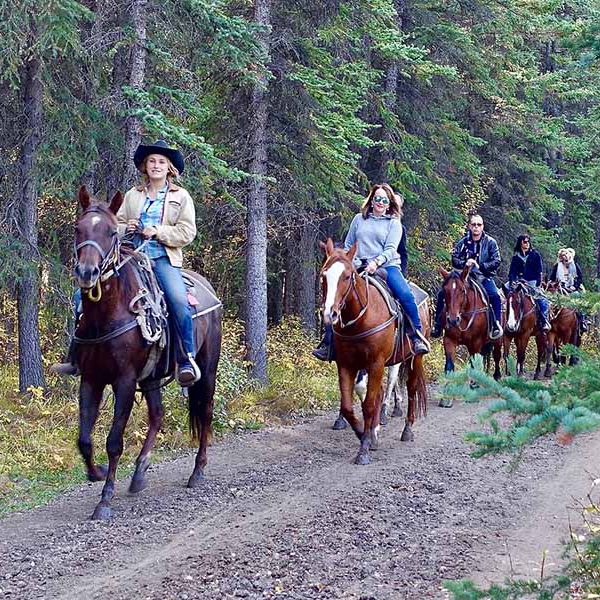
286	112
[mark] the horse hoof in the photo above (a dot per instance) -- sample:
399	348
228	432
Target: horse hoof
407	435
445	402
397	412
548	373
98	474
195	480
137	484
362	458
383	419
340	423
537	376
102	513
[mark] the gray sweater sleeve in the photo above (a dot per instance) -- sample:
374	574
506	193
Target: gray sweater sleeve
390	249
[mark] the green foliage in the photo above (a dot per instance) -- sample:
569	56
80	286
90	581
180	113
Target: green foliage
569	405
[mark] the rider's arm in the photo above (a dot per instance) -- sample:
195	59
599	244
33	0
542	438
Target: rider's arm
553	273
578	278
183	231
403	252
390	248
494	260
458	255
513	272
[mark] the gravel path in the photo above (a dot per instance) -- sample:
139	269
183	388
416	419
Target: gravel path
284	513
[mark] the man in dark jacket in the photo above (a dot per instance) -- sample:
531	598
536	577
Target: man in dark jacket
479	251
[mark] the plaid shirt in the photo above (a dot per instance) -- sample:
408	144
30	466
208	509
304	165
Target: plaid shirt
151	216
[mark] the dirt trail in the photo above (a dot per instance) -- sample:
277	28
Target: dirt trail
284	513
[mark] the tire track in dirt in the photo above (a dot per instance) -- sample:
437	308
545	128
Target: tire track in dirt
284	513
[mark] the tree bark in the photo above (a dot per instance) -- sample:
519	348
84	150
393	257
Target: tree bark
28	288
256	217
137	73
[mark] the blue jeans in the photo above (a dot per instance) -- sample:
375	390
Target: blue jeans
489	285
171	283
543	306
402	291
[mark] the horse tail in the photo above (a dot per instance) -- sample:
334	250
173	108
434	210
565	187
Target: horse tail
199	413
418	382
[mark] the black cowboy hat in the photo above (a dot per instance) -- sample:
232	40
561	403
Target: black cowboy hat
159	147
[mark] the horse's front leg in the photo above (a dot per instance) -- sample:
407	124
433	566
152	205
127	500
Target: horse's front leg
550	338
450	352
90	396
371	408
540	342
390	392
497	354
505	352
521	342
155	417
346	379
124	390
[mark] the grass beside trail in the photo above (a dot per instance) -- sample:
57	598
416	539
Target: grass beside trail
38	431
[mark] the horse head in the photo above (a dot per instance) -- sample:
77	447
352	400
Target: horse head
338	277
455	293
96	239
515	298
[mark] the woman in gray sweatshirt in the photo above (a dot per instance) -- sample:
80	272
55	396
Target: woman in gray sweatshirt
378	231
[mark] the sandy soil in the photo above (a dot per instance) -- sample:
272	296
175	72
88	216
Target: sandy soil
285	513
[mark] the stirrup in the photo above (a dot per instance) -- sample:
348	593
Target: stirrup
188	372
322	352
496	332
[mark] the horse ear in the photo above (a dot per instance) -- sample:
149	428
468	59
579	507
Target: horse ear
84	197
350	254
444	273
116	202
327	246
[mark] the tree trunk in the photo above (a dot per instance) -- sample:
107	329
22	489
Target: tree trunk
28	288
137	73
256	218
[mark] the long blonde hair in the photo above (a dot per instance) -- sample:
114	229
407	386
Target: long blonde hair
393	209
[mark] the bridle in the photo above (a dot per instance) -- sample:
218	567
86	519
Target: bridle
108	259
522	293
461	315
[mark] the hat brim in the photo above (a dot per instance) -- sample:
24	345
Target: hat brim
172	154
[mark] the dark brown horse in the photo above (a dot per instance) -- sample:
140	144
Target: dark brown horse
521	324
465	319
564	330
111	351
364	334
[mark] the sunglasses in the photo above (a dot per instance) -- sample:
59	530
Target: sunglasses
381	199
476	224
525	242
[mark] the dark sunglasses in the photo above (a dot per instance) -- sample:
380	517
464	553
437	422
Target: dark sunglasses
476	224
381	199
525	242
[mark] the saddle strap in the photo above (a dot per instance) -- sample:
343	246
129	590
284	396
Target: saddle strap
109	336
364	334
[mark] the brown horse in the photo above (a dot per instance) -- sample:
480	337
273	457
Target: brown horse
565	329
363	338
465	319
521	324
111	351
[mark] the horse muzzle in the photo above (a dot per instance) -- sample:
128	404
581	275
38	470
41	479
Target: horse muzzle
86	275
331	317
453	321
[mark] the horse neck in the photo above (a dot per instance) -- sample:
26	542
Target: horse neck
356	300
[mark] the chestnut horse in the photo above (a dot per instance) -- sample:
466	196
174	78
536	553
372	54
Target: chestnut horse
111	351
363	337
564	330
521	324
465	319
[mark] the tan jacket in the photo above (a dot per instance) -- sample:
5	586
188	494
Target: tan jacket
178	225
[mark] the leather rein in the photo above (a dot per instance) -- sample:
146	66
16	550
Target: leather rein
109	267
363	309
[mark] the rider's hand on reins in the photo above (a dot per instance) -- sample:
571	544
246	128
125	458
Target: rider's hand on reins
372	267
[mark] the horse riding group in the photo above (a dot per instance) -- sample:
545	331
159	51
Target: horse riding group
142	320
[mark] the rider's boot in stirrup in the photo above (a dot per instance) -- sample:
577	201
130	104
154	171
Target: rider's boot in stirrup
323	351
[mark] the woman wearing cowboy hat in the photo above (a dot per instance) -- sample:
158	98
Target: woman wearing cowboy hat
164	214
